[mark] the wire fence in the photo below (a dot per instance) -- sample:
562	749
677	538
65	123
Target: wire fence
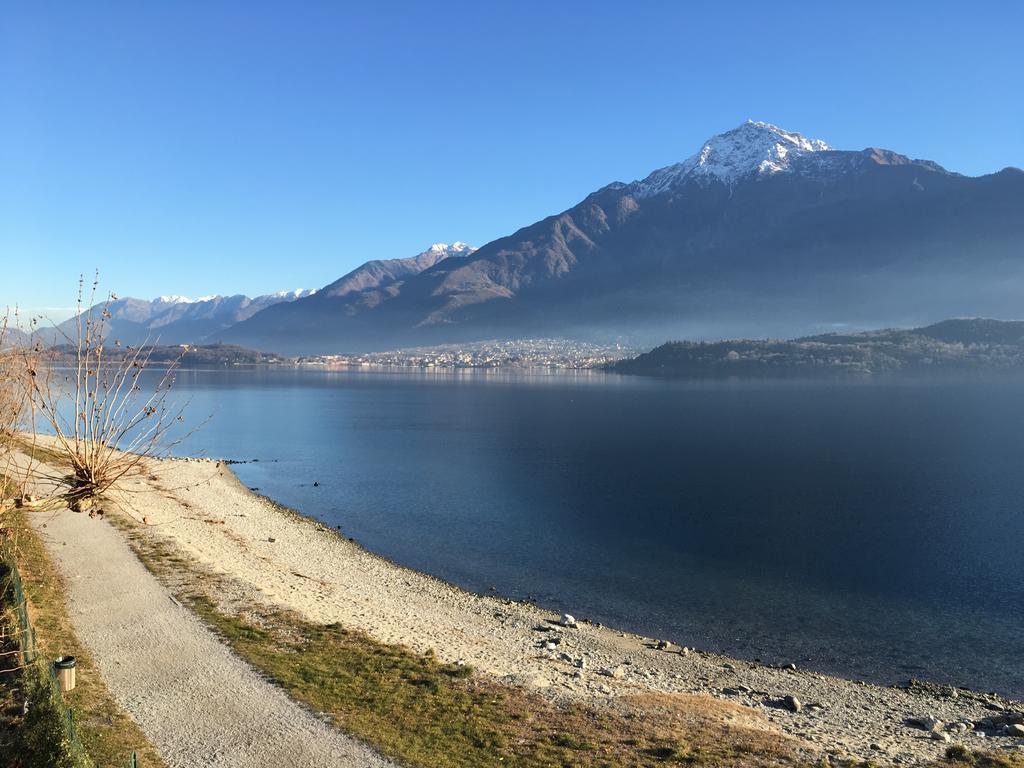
27	645
28	649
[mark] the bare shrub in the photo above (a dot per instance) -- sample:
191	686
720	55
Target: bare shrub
15	364
90	395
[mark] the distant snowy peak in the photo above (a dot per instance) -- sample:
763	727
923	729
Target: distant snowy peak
752	149
174	319
381	273
298	293
458	248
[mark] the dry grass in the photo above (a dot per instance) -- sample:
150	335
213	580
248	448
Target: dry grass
959	755
16	362
38	452
423	712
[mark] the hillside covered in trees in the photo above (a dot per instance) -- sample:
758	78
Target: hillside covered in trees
962	344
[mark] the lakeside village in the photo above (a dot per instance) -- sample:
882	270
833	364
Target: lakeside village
520	353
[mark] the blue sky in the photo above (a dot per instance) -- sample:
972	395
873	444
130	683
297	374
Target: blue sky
239	147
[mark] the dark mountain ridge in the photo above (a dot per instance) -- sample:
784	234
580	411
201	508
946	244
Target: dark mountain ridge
959	345
381	274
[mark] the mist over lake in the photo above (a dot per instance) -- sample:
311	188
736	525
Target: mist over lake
865	528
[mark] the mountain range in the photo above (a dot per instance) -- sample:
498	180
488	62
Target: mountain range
180	320
176	319
762	232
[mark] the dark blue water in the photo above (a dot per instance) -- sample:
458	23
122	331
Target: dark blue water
870	529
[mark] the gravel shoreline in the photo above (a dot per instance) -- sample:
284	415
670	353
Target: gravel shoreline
283	559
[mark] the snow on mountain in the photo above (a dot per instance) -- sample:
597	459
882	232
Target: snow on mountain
298	293
387	272
174	319
753	148
458	248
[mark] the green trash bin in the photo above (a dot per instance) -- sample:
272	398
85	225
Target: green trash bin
65	667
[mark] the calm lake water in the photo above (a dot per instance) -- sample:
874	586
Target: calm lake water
869	529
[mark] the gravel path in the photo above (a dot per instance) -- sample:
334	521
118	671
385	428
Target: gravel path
199	704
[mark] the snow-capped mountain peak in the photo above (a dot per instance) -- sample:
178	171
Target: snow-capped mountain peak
298	293
184	299
760	147
457	247
174	319
752	149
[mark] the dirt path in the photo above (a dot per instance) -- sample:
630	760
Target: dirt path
199	704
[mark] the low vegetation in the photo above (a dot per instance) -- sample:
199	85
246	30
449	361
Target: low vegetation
34	729
16	361
427	713
958	754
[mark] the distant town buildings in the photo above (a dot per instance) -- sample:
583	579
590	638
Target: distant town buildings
520	353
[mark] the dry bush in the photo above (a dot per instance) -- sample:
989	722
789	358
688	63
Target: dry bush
16	360
104	422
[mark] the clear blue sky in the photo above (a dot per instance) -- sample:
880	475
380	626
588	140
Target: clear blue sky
245	147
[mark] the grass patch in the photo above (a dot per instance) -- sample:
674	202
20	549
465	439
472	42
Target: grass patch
8	488
36	734
958	754
105	730
37	452
424	712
